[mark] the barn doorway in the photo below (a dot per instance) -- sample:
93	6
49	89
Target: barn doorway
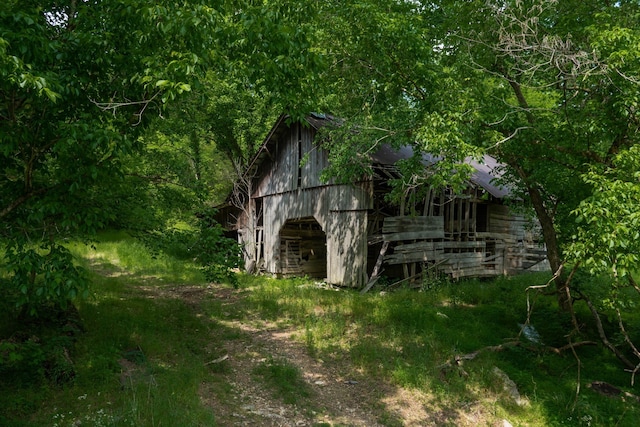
303	248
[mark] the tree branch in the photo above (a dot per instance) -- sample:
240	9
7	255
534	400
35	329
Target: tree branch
114	106
602	334
22	199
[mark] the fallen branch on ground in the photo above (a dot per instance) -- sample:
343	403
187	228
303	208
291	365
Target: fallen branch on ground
458	359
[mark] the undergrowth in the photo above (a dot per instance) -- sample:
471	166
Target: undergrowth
284	379
409	337
143	354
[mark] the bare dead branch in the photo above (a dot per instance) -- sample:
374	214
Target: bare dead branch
512	135
628	341
567	290
240	198
458	359
537	287
575	355
114	106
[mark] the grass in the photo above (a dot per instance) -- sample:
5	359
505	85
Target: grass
407	336
120	317
120	254
284	379
143	356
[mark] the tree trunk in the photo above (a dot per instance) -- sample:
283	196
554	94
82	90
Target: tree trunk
553	249
545	219
550	240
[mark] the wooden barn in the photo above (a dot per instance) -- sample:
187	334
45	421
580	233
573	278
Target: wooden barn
291	223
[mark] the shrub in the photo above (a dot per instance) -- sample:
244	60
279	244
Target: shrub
43	276
218	255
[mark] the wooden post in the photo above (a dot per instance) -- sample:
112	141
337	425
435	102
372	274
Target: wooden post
403	203
259	244
375	274
467	209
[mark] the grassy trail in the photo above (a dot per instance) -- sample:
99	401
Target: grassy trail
162	347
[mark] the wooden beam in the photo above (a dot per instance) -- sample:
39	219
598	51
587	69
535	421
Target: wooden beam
377	269
432	267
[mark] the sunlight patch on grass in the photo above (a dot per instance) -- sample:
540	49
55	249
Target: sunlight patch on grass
125	256
141	303
406	337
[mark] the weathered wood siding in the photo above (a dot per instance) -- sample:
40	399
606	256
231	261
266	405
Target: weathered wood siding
295	162
315	159
452	241
290	187
413	227
328	205
347	248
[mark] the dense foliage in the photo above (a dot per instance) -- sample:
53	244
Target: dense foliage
126	114
550	88
84	88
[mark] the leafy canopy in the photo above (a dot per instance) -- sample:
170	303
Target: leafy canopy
81	81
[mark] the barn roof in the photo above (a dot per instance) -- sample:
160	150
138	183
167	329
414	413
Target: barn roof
485	172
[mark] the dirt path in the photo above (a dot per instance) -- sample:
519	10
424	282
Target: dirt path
339	395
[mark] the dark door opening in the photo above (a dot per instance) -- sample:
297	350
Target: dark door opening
303	248
482	217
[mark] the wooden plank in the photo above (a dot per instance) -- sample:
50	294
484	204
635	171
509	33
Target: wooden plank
394	224
417	247
413	235
374	239
413	228
497	236
487	260
465	257
474	215
404	258
462	245
301	234
430	246
259	245
427	202
375	274
467	214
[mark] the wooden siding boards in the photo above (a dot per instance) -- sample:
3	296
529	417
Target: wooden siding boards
315	159
347	248
462	235
413	228
329	205
296	162
506	248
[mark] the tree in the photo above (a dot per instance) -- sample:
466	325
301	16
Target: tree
196	157
561	100
606	243
549	88
80	81
388	81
